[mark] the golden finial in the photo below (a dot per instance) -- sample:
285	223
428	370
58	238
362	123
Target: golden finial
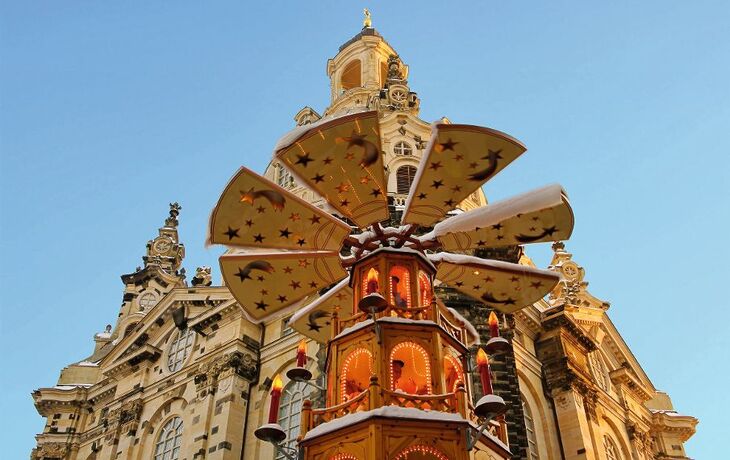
367	22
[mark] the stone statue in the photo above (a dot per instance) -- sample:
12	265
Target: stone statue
367	22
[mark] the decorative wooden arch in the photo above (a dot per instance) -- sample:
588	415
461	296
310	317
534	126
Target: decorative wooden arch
426	451
426	362
353	359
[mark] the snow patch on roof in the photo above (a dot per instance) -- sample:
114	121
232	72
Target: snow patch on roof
467	325
73	386
386	411
87	364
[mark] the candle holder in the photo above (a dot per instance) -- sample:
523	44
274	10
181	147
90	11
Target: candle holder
489	406
299	374
497	345
372	303
271	432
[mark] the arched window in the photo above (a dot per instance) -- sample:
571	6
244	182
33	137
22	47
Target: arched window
612	452
532	451
147	301
356	371
290	408
180	349
420	451
351	76
453	373
403	148
168	444
404	178
425	291
128	330
370	282
410	369
400	287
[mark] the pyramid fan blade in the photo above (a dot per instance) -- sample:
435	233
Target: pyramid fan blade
537	216
459	159
341	159
255	212
264	282
315	320
505	286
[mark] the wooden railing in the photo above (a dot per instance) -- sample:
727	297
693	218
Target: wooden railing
375	397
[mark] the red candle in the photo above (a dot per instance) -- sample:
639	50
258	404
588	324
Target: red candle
493	325
483	367
302	354
275	397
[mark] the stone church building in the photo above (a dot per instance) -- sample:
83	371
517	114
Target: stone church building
183	373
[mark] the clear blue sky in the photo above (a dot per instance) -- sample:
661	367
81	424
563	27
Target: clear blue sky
110	110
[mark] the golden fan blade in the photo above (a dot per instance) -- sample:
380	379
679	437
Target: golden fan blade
533	217
265	282
505	286
315	320
341	159
254	212
459	159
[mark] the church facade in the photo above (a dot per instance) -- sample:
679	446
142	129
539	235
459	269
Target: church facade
184	373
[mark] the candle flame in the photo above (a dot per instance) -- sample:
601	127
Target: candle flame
371	282
302	348
493	321
482	359
278	384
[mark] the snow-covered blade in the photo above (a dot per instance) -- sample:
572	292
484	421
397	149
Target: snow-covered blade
315	320
267	281
342	161
459	159
505	286
533	217
255	212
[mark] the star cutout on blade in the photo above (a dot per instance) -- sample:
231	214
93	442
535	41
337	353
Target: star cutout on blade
448	145
493	154
281	298
231	233
287	269
327	160
260	209
344	203
421	196
481	243
376	192
315	219
450	203
261	305
497	227
301	242
284	233
459	157
264	292
500	237
435	165
313	284
473	165
343	187
437	183
536	284
243	274
295	285
318	178
259	238
304	263
456	188
349	156
303	159
488	279
294	217
514	279
476	287
249	223
364	180
260	278
459	284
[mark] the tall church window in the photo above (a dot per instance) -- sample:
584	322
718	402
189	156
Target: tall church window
403	148
599	370
609	446
290	408
180	349
404	178
532	451
351	76
168	444
283	177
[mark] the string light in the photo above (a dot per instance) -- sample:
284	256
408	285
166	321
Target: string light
421	449
413	347
398	271
343	457
425	287
354	358
459	371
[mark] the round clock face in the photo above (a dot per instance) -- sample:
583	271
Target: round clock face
162	245
398	95
570	271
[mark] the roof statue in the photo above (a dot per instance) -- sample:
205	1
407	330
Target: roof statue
367	21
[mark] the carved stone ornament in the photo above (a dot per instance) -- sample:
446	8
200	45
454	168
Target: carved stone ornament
203	277
241	364
50	450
